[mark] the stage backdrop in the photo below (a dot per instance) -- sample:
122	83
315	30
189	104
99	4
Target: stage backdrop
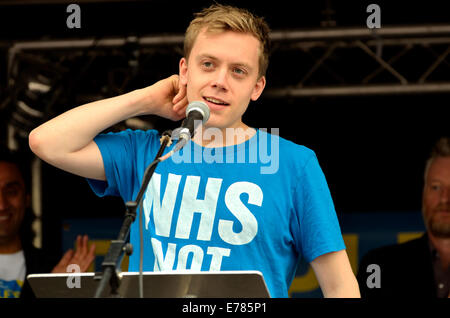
361	231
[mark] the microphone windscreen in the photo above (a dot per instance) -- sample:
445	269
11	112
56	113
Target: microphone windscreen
201	107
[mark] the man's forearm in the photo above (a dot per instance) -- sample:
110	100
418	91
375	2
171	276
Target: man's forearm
335	275
348	288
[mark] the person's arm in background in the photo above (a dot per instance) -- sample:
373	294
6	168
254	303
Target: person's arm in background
335	275
66	141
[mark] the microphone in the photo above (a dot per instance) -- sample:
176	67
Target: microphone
197	113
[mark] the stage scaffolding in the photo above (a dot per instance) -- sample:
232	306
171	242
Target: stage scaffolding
321	45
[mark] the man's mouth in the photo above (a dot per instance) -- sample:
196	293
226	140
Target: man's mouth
215	101
443	208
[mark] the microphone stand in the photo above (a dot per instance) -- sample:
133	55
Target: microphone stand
118	247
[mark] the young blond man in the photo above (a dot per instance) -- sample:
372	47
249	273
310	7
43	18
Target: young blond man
225	215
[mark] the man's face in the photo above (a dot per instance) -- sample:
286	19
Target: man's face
13	201
436	198
222	71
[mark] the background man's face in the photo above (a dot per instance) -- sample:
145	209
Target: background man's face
223	71
436	198
13	201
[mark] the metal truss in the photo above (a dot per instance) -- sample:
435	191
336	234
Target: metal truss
328	62
365	48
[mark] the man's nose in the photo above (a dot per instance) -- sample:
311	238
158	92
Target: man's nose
445	196
221	79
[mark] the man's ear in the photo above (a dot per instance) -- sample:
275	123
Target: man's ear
183	71
258	89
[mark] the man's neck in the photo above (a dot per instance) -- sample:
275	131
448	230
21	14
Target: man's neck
10	246
442	246
211	137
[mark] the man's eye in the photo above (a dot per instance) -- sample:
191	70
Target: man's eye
435	187
11	191
239	71
207	64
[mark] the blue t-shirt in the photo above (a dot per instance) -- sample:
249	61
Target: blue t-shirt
259	205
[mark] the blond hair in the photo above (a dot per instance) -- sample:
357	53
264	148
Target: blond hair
220	18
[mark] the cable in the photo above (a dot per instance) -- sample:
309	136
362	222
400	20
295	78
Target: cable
147	174
165	140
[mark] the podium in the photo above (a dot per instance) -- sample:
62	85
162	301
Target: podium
179	284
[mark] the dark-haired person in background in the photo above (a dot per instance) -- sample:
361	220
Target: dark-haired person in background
18	256
420	267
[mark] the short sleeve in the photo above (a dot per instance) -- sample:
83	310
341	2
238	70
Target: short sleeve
319	230
121	152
